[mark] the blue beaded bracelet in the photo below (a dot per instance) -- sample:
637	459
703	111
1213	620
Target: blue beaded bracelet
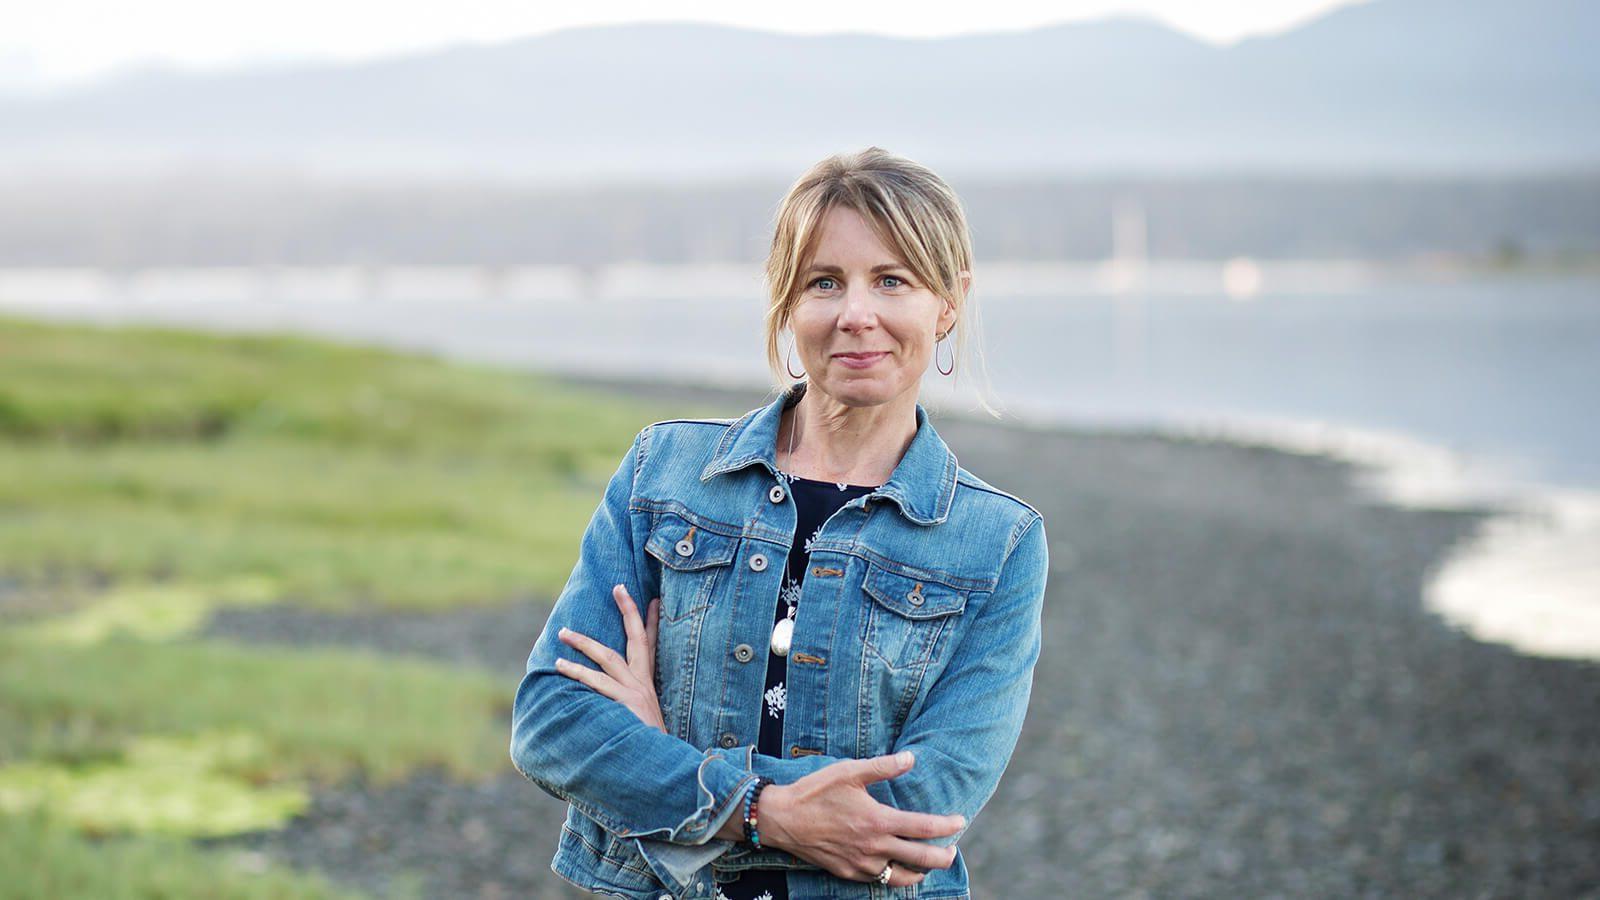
751	835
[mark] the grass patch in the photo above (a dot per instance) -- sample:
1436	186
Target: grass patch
349	475
149	611
41	858
322	714
173	786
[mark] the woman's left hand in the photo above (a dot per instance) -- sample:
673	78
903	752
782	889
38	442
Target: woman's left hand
631	681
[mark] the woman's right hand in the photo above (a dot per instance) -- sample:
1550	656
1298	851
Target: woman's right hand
830	820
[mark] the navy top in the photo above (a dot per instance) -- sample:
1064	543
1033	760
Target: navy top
814	502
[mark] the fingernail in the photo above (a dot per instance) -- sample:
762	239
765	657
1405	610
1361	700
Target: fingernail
904	758
562	632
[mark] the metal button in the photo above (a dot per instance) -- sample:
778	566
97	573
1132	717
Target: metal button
915	598
743	653
685	547
776	494
728	740
758	562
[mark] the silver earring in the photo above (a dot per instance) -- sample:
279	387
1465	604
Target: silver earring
942	369
792	372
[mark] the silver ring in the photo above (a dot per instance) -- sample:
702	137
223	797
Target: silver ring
883	877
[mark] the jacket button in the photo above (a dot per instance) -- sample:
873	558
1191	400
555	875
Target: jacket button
743	653
776	494
685	547
758	562
728	740
915	598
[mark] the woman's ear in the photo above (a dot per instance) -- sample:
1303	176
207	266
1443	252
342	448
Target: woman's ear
947	318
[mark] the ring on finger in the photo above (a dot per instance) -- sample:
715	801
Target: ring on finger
888	869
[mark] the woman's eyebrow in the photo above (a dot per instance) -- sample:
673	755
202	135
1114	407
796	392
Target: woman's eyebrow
835	269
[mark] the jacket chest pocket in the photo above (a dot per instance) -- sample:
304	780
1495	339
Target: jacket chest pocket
906	616
692	559
693	562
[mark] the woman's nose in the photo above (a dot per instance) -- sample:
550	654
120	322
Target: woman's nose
859	308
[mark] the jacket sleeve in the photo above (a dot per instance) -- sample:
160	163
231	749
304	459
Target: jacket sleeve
969	723
591	751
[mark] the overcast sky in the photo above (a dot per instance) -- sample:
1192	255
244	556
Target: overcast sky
52	42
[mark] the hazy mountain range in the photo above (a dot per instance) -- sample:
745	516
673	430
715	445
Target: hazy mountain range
1391	85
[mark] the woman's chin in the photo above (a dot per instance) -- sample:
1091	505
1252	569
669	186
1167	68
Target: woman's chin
858	388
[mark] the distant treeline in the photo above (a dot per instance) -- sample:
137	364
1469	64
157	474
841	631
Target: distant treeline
199	220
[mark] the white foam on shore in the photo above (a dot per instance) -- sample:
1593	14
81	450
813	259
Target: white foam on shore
1528	578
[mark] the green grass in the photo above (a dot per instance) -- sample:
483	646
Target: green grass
322	713
351	476
40	858
149	476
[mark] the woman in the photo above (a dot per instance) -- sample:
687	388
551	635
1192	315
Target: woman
830	726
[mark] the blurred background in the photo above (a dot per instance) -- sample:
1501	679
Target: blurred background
322	327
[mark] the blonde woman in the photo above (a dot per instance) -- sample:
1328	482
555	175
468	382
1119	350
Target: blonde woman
837	661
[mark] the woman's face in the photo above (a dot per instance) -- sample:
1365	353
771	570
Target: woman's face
857	297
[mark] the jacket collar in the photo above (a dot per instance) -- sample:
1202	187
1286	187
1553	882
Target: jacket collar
923	483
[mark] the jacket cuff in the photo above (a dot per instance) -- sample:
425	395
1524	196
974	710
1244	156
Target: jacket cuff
691	845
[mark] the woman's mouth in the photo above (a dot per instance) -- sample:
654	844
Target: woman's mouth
859	360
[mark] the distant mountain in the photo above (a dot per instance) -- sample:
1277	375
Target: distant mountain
1392	85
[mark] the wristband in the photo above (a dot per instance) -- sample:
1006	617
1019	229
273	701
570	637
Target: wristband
751	835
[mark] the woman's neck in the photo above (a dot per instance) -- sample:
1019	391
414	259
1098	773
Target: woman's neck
849	444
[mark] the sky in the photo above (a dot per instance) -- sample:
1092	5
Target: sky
60	42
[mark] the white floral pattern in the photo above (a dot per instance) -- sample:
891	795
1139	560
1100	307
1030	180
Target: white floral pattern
777	696
791	592
812	539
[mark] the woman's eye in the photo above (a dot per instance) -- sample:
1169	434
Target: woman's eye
816	282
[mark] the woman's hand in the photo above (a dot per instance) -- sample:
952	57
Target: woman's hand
631	681
828	819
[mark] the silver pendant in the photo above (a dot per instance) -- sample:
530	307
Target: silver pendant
782	633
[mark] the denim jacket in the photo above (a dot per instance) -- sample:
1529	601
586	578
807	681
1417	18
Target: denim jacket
918	629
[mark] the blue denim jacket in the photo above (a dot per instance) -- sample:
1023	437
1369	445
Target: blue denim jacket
918	628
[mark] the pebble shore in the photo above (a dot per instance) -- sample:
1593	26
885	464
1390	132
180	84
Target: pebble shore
1240	695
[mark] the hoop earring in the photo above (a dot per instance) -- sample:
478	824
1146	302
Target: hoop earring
943	370
786	355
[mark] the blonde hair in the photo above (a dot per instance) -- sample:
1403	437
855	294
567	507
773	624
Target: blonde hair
911	209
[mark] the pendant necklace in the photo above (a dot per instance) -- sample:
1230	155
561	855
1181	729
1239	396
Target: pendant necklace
783	632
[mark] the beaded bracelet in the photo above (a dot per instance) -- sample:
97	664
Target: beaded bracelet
751	835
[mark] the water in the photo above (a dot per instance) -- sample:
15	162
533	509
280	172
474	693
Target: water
1453	392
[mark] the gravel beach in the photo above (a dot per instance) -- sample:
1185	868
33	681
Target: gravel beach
1240	695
